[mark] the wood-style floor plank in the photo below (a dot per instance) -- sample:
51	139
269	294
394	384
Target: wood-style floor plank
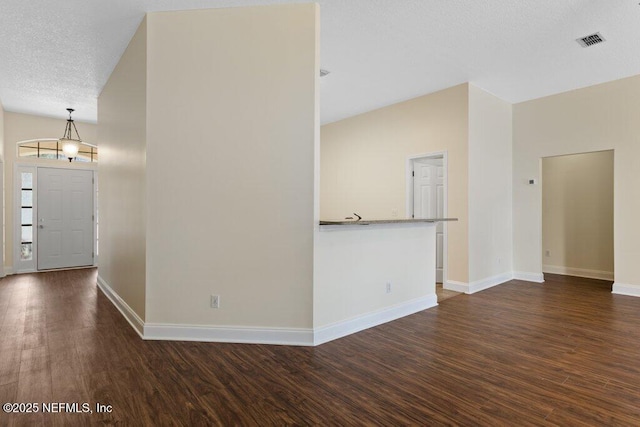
560	353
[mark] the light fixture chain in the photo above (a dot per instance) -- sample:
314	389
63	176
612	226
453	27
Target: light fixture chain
76	129
70	145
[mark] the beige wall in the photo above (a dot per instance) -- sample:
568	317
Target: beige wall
231	114
577	214
1	132
2	166
490	190
596	118
364	159
122	175
20	127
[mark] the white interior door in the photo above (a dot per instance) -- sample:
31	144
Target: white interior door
65	218
428	201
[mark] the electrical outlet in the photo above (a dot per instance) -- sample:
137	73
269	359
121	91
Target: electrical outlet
394	213
388	287
215	301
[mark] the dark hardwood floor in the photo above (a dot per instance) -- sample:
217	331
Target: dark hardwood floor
444	294
563	353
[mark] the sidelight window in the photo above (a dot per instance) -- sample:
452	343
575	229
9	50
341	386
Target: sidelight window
26	215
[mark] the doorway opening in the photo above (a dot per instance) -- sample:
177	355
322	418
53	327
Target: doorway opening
427	198
577	215
54	218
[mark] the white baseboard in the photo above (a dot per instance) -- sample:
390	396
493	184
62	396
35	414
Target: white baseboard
478	285
347	327
622	289
259	335
8	271
528	277
489	282
452	285
231	334
578	272
132	317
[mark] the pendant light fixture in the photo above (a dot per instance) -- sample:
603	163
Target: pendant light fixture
70	145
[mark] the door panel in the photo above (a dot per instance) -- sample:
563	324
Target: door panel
424	191
77	239
55	243
440	226
425	206
54	204
439	247
65	218
440	205
428	201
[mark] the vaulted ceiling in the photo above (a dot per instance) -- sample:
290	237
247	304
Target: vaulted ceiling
56	54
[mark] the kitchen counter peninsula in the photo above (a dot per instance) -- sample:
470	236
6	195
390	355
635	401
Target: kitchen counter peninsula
367	272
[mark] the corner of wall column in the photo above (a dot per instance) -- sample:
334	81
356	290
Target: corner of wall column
2	247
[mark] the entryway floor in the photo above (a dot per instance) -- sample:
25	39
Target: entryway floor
444	294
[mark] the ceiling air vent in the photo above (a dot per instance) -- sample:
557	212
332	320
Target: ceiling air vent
590	40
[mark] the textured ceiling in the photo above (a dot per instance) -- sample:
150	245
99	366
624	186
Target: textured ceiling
56	54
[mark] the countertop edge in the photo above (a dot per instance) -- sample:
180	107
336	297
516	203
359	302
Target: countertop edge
388	221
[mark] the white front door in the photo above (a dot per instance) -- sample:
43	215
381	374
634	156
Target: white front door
428	201
65	218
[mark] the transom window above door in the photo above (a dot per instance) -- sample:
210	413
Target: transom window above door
49	148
